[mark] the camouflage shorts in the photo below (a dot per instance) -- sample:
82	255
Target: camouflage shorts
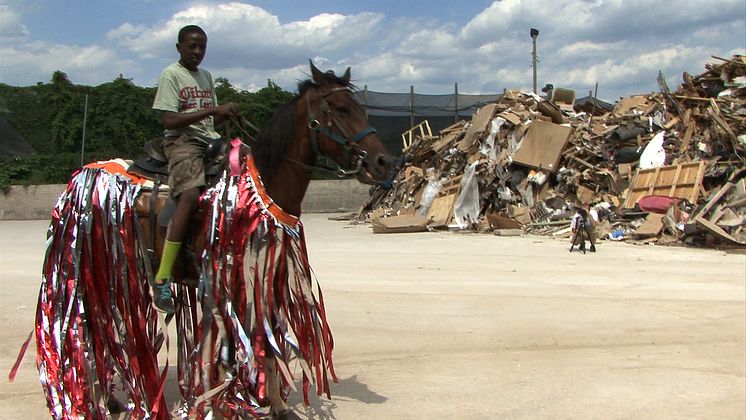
186	168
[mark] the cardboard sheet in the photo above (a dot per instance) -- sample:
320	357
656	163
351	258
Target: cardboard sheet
651	227
478	125
542	145
400	224
441	211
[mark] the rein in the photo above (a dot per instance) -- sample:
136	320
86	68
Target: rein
319	168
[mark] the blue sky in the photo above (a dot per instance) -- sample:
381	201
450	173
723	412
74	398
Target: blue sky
483	46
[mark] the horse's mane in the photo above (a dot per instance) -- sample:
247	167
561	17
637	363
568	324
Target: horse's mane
275	138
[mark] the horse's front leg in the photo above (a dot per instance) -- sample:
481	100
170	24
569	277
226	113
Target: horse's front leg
279	410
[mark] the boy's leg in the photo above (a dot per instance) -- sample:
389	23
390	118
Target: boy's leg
591	237
178	227
574	240
186	177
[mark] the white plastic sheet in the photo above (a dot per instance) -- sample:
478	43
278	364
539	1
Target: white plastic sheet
654	155
488	147
431	190
466	208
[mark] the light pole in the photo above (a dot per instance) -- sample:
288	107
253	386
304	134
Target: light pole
85	120
534	34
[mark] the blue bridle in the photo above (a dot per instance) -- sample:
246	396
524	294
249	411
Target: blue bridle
348	142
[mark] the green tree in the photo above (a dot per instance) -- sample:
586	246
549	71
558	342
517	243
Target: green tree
227	92
261	104
120	118
119	121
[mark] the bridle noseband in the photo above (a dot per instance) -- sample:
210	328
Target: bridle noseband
349	143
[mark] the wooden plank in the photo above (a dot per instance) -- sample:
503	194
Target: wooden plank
674	181
451	185
409	136
693	198
441	211
689	130
672	123
715	112
696	98
654	180
716	229
582	162
710	204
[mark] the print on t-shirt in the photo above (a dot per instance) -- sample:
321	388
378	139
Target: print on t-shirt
192	97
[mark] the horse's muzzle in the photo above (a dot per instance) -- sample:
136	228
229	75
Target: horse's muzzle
379	167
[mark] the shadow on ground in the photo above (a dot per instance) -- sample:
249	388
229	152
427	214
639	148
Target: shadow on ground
346	390
319	408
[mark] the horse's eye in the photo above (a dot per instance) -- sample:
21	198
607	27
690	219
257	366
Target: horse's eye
342	109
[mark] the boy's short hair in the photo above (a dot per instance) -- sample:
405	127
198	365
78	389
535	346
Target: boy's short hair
183	32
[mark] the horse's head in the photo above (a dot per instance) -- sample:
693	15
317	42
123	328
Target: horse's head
339	127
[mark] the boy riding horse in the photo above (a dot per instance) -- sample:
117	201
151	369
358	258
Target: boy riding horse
186	95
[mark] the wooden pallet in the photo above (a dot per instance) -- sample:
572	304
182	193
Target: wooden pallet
683	181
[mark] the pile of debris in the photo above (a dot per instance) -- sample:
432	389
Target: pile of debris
527	163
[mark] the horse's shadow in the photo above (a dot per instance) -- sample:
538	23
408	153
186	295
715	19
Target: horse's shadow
347	389
319	408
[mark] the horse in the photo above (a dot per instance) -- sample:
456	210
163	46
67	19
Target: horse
257	315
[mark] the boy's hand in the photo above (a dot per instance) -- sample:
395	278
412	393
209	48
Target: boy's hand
227	110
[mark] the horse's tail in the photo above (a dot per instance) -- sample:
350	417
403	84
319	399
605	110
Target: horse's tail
95	320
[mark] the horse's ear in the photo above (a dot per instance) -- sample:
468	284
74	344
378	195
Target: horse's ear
346	76
315	73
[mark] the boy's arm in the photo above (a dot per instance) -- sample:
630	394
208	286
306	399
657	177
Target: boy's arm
173	120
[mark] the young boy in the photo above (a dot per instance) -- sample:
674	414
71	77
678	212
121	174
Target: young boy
584	219
186	95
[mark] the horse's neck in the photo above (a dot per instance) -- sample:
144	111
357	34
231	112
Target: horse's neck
289	183
288	187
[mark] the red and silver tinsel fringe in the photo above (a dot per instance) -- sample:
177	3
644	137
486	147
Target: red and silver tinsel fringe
258	296
95	322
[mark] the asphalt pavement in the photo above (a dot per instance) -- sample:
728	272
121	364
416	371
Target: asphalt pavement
475	326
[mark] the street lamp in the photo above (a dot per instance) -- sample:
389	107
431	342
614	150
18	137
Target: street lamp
534	34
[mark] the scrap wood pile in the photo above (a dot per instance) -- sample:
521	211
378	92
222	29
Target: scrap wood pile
660	167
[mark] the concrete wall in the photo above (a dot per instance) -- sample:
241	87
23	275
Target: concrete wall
29	202
35	202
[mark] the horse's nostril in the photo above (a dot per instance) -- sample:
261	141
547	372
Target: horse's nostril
382	160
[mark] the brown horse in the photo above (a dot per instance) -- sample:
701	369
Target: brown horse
257	318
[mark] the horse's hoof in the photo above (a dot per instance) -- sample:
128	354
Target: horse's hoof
286	414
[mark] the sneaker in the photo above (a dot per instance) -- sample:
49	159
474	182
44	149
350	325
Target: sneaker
163	297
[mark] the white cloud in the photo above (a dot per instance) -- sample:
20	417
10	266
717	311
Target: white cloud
619	44
37	61
240	33
11	27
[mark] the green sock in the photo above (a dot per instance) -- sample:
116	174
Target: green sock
170	251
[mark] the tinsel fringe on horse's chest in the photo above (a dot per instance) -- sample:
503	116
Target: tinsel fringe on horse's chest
258	280
257	293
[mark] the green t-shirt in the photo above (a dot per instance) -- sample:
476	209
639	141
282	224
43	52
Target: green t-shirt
181	90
